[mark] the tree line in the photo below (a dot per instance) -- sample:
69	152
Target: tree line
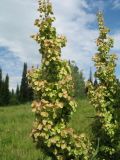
24	93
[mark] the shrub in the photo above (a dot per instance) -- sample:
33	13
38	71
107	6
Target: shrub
54	104
103	96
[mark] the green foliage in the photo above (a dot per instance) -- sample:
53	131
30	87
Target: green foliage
15	126
4	90
103	95
24	86
0	86
95	82
90	76
26	93
54	104
17	94
14	99
22	94
117	97
78	80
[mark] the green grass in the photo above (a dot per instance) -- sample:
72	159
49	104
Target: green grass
16	124
83	117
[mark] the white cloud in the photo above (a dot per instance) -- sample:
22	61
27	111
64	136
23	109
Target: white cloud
16	26
72	20
116	37
116	4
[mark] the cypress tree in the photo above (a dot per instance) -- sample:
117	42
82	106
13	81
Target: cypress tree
54	104
95	82
3	92
103	97
90	79
24	85
0	78
90	76
6	91
17	93
81	86
0	86
12	92
78	80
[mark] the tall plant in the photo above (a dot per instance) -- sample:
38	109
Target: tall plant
54	104
103	96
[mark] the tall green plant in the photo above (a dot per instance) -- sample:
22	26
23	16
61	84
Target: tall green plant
24	89
78	80
103	96
6	98
54	104
0	86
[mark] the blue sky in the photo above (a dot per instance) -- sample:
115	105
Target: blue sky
76	19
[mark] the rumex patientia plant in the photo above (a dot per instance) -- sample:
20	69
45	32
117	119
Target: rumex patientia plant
103	96
54	104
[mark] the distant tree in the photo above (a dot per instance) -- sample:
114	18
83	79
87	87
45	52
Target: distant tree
30	94
18	93
0	86
12	92
90	75
6	91
0	78
24	86
78	79
2	92
13	98
95	82
90	79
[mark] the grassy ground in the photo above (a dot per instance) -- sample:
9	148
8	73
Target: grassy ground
15	127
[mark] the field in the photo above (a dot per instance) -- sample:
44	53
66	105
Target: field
15	128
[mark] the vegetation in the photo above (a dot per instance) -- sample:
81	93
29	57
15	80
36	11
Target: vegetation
90	76
15	127
4	90
26	93
103	97
22	94
54	104
58	89
78	80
